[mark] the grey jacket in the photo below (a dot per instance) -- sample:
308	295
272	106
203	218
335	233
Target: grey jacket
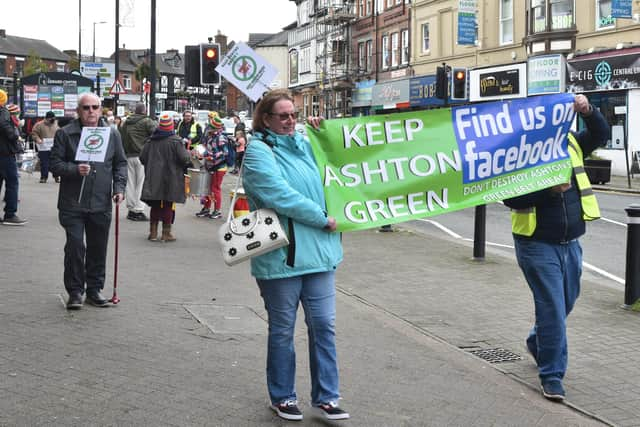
105	178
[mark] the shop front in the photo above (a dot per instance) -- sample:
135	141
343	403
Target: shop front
361	98
390	96
611	81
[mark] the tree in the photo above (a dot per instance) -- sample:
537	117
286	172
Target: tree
34	64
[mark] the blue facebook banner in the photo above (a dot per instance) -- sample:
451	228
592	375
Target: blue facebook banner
498	138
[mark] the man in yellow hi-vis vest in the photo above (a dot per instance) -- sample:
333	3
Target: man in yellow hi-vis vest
546	225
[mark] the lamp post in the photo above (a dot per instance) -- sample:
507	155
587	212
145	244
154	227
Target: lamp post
93	56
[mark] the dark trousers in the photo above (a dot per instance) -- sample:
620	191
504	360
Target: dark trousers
85	264
44	164
9	173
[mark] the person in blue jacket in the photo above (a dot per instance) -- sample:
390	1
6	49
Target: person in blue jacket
279	172
546	225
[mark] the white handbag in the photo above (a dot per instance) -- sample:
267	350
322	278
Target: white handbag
250	235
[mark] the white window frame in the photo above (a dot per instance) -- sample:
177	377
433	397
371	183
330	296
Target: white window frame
506	19
369	55
599	18
369	7
126	81
362	63
384	58
389	4
305	60
395	49
404	54
361	8
426	41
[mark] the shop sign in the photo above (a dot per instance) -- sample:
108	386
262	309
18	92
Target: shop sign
502	82
389	94
422	92
546	74
362	94
604	73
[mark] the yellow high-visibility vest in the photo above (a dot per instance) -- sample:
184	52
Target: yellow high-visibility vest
523	221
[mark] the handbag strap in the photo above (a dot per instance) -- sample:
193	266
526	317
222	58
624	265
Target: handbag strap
263	139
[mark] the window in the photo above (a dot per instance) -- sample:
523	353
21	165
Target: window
506	22
60	67
561	14
404	56
380	6
305	59
389	3
385	52
315	106
19	65
603	15
361	8
3	65
394	50
338	51
560	11
305	105
369	58
425	38
398	1
303	13
126	81
361	57
369	7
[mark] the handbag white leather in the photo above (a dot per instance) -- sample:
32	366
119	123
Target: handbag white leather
253	234
250	235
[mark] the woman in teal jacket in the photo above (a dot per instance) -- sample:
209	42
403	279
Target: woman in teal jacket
279	172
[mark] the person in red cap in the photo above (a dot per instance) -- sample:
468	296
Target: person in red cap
215	144
9	147
164	158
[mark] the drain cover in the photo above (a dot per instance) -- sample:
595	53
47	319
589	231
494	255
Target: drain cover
496	355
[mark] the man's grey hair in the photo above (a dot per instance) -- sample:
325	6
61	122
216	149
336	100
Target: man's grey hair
140	108
86	95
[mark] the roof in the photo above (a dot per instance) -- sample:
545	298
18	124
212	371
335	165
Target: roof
22	46
257	38
279	39
171	62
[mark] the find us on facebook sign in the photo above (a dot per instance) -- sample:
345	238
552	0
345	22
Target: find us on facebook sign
500	138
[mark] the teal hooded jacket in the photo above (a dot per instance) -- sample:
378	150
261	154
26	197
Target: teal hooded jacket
279	172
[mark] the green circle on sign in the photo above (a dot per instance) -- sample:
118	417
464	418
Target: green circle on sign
244	68
93	142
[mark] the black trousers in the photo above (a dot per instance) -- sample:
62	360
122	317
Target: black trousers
85	264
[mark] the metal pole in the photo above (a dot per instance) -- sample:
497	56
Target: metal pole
479	232
15	88
93	55
152	92
79	32
632	274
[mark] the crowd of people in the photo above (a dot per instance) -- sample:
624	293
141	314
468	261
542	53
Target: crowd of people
145	162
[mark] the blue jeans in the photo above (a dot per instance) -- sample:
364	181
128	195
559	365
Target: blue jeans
317	293
553	273
9	173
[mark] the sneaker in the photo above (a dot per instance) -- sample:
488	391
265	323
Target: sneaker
552	389
14	220
288	410
141	216
332	411
132	216
215	215
203	212
74	302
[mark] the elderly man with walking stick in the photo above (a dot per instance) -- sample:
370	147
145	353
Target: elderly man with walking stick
84	202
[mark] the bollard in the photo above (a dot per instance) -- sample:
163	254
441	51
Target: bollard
632	274
479	232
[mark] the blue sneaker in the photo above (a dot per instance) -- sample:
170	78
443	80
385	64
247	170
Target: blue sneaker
552	389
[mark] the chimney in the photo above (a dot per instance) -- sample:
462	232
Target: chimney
3	33
221	39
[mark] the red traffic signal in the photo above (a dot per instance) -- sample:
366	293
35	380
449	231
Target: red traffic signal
209	58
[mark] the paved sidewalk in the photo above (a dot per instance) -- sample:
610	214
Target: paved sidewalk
186	346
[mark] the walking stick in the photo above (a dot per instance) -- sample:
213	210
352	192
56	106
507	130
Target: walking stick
114	299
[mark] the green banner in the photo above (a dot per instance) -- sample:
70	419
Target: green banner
386	169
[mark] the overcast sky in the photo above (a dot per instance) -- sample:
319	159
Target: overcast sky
178	22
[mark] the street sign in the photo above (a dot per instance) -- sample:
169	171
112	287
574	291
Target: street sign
117	88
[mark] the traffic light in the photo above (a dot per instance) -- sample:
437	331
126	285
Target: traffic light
209	58
192	65
442	82
459	83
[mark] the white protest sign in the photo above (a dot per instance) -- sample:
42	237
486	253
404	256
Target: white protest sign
247	71
46	144
93	144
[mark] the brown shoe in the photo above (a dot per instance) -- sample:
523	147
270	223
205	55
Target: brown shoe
153	231
166	233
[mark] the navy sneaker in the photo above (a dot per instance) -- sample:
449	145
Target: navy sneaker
204	212
332	411
288	410
552	389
